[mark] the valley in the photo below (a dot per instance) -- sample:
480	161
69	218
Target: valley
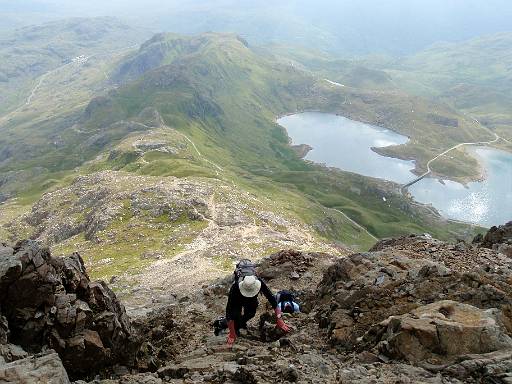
203	109
359	154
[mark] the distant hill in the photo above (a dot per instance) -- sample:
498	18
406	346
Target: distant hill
474	76
485	60
344	27
30	52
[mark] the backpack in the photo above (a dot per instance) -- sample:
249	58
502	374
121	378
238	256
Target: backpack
284	296
245	267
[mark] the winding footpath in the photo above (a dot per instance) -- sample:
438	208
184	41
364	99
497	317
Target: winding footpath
41	79
217	167
33	92
355	223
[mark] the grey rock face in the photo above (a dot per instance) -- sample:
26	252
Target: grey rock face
51	302
401	302
498	238
365	289
441	331
44	368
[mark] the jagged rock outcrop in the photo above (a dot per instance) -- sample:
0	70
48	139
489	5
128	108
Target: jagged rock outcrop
365	289
444	307
51	302
413	310
458	256
497	238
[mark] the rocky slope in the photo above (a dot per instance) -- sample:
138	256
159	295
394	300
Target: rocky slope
497	238
412	310
51	303
146	233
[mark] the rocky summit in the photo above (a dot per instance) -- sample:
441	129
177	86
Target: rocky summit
411	310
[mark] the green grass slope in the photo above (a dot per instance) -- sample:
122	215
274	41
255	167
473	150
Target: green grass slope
221	99
473	76
226	98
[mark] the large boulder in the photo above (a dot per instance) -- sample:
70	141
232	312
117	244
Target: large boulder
444	308
44	368
442	331
52	302
365	289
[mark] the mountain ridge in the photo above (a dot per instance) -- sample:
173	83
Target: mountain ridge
206	114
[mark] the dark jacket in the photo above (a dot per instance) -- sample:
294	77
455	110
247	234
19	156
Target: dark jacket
236	300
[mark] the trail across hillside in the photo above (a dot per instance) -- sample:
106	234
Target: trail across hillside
218	167
41	79
40	82
33	92
355	223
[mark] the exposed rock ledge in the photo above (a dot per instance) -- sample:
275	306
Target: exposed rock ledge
413	310
51	303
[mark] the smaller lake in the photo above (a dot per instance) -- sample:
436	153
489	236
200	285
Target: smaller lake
486	203
346	144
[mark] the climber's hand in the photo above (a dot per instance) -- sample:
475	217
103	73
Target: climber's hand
282	326
232	333
231	340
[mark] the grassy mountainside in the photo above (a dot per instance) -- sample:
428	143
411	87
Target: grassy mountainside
200	109
226	97
474	76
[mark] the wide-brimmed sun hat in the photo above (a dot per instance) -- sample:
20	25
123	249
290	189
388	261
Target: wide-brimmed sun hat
249	286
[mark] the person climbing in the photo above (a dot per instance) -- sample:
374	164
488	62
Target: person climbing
286	302
243	297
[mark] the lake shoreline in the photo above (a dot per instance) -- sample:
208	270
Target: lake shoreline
416	171
376	134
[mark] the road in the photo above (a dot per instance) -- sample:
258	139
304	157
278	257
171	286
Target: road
429	170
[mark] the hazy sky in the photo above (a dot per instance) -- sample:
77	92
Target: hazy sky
355	25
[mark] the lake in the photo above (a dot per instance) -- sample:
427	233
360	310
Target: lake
346	144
